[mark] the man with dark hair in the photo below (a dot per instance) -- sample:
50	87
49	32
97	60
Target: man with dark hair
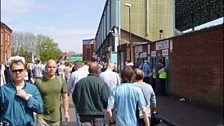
148	93
124	100
19	99
90	97
75	76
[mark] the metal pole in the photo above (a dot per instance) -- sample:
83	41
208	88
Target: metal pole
130	42
130	34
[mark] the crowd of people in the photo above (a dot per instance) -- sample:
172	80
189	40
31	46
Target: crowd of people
32	94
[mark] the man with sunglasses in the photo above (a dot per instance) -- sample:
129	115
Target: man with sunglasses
19	99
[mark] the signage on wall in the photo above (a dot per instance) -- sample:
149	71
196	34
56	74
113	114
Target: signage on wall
171	45
138	49
140	55
136	55
165	52
153	53
162	45
144	54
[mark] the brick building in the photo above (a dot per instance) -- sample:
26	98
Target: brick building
88	48
6	43
195	65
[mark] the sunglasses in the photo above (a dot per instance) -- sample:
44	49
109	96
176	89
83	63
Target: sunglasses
18	70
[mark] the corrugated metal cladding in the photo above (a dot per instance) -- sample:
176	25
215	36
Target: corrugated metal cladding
109	19
147	18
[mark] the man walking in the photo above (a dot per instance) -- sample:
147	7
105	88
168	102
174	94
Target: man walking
148	93
124	100
52	87
76	76
111	78
19	99
90	97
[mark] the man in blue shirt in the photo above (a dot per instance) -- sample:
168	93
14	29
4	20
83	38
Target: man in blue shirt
124	100
19	99
147	72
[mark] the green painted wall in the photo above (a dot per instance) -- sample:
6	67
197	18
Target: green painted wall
148	17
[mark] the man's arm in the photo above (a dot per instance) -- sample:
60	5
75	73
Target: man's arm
145	116
66	106
153	101
110	116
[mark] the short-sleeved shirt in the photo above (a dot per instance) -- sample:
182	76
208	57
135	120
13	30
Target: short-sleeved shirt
123	101
51	91
111	78
149	95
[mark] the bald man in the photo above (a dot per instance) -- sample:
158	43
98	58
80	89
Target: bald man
112	79
51	88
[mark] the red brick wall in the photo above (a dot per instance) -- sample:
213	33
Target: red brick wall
6	43
196	67
87	52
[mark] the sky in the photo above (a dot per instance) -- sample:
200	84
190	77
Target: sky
67	22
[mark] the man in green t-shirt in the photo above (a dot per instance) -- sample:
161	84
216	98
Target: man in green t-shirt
51	89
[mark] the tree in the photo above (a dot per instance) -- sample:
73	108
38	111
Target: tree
24	53
48	49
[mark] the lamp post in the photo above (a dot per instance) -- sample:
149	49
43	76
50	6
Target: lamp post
130	42
160	33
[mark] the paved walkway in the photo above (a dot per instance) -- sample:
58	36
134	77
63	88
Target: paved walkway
176	112
71	113
186	114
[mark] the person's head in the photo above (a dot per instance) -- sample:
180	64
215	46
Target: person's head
50	68
38	61
17	68
94	68
139	74
127	74
110	66
78	64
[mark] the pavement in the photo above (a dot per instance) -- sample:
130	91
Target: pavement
174	113
184	113
71	113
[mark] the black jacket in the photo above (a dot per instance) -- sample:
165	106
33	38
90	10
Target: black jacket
90	96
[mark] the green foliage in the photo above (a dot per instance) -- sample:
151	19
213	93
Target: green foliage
24	53
48	49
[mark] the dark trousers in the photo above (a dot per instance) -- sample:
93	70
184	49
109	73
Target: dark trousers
154	84
162	86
